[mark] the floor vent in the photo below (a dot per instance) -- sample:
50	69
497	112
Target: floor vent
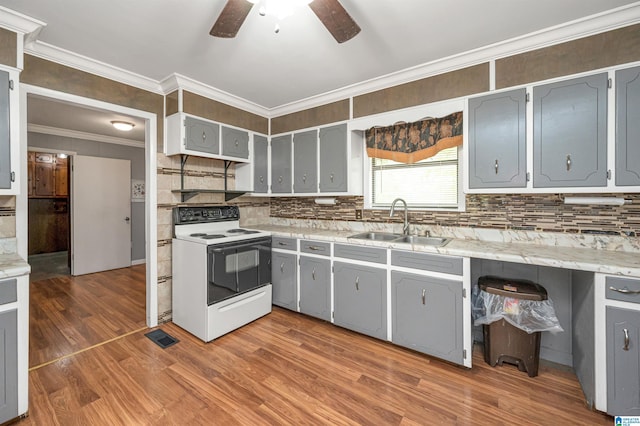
162	339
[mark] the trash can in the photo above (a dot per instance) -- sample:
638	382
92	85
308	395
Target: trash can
504	342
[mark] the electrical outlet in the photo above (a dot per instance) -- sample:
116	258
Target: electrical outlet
358	214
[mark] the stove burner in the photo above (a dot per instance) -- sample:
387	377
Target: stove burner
212	236
250	232
198	234
237	231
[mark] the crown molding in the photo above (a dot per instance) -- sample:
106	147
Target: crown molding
177	81
56	131
590	25
65	57
19	23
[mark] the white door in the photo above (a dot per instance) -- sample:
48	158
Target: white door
101	212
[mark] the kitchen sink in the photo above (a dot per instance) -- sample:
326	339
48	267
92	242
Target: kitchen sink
427	241
376	236
399	238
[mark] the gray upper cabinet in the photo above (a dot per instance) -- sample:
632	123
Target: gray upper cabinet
570	133
315	287
627	127
623	362
202	136
360	298
235	142
5	134
333	159
497	140
305	161
8	365
260	164
284	280
281	164
427	315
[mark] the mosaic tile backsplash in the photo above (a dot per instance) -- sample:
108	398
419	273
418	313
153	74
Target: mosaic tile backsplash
530	212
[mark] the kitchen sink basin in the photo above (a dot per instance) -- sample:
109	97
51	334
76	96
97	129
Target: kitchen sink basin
376	236
427	241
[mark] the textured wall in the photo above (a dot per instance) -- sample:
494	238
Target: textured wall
537	212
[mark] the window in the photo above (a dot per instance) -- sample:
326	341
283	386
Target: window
429	184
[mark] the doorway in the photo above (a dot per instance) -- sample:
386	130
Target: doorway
147	208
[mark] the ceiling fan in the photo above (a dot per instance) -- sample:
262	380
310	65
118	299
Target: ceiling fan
330	12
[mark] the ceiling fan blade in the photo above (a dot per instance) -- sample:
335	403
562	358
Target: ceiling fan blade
331	13
231	18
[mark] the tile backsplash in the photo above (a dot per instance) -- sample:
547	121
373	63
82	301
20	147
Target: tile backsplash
530	212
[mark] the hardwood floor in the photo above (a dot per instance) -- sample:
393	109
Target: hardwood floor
286	368
68	314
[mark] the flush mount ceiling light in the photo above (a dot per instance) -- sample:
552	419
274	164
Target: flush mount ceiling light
123	125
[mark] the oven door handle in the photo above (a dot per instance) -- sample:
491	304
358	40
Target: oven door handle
242	243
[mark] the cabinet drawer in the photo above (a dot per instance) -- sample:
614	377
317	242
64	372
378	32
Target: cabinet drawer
283	243
8	291
366	254
315	247
624	289
427	262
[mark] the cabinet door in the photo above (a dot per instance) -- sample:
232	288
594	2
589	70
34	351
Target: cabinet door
260	164
333	159
281	164
497	140
31	171
627	127
305	161
570	133
623	362
60	178
202	136
360	299
8	365
235	142
427	315
284	280
43	172
5	134
315	287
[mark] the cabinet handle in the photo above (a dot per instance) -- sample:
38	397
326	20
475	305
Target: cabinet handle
282	243
282	267
204	135
424	296
304	177
568	162
495	166
280	179
357	283
313	274
315	248
624	290
626	339
331	177
261	179
237	142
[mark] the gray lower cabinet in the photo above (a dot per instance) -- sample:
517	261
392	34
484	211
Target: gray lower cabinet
235	142
5	134
623	362
202	136
260	164
284	280
8	365
333	159
360	298
627	127
570	133
427	315
305	161
281	164
315	287
497	140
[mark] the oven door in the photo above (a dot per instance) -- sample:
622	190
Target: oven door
237	267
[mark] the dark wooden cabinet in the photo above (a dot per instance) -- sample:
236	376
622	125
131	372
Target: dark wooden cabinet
48	175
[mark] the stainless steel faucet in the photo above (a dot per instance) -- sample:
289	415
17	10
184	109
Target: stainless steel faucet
405	227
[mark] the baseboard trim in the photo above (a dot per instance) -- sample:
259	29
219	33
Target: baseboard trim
138	262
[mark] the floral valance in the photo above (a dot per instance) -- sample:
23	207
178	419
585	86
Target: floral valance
413	142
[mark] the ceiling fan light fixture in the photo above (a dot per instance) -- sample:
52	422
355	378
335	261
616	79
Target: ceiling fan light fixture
125	126
279	9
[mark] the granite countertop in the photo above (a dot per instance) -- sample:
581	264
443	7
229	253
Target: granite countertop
12	265
610	261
